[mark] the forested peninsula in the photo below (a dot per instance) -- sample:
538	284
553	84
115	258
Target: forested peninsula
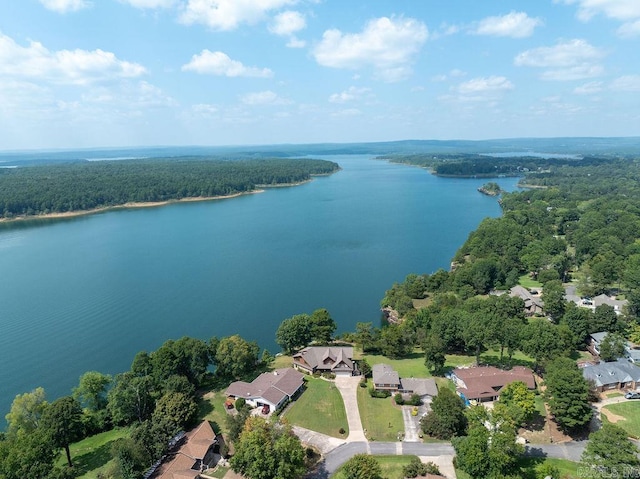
86	186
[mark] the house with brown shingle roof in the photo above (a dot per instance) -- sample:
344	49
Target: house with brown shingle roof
533	303
195	454
484	383
325	359
387	378
273	389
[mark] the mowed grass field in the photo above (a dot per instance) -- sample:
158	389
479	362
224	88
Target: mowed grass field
92	456
319	408
410	367
380	417
630	411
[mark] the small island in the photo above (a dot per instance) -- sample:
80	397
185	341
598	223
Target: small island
491	189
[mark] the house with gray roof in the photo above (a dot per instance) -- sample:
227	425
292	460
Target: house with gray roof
620	374
273	389
533	303
387	378
325	359
630	351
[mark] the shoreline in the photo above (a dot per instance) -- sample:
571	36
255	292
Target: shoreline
131	205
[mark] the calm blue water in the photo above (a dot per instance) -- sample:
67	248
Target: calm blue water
88	293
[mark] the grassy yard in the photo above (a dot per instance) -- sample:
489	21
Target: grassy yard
568	469
631	412
412	366
391	466
319	408
92	455
380	417
490	357
526	281
211	407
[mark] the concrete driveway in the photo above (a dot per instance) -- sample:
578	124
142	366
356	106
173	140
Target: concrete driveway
348	387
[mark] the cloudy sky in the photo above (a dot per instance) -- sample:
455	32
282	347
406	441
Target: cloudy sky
85	73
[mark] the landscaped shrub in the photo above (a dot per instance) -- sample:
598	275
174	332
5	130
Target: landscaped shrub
363	383
398	399
414	400
240	403
341	431
328	375
379	393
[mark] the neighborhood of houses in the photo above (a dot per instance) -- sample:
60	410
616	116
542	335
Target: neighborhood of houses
271	392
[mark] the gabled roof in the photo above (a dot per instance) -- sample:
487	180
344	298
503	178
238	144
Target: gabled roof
327	358
616	304
199	440
385	374
273	387
620	371
529	299
487	381
420	386
599	337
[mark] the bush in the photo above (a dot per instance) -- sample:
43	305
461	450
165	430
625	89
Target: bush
414	400
328	375
379	393
398	399
240	403
416	468
341	431
363	383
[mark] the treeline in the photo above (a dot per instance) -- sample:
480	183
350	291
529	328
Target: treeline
156	398
81	186
485	166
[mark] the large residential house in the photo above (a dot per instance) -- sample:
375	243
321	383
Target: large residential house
595	340
484	383
273	389
620	374
533	303
325	359
387	378
197	451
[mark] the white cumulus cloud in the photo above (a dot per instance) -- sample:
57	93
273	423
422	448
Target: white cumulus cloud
219	63
626	83
77	67
629	29
64	6
617	9
567	60
352	93
485	84
228	14
389	45
287	23
589	88
263	98
513	24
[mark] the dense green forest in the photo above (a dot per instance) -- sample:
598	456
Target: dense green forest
80	186
485	166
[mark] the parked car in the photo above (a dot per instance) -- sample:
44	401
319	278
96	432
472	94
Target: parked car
632	395
265	409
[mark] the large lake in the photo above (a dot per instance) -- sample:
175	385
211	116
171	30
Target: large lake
88	293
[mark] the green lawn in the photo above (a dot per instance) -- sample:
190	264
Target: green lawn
92	455
490	357
526	281
211	407
319	408
380	417
391	466
412	366
631	412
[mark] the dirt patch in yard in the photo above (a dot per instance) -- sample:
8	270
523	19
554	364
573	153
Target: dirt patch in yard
611	416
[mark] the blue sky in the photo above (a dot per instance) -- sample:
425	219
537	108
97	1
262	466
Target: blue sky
91	73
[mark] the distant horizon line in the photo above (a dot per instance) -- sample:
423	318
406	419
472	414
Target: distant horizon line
345	143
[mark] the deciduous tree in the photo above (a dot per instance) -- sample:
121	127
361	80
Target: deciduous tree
322	326
446	418
92	390
294	333
568	394
609	452
26	412
362	466
236	357
62	421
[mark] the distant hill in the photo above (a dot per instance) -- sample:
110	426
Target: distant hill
581	146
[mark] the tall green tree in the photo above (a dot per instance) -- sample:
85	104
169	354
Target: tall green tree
131	398
362	466
92	390
609	452
178	409
544	341
396	341
62	421
554	302
519	402
268	451
294	333
433	348
568	394
26	412
236	357
446	418
27	456
612	347
322	326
